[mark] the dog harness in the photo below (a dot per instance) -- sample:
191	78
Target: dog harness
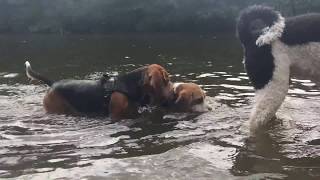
130	84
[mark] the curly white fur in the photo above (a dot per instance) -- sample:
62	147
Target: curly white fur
301	61
269	99
272	33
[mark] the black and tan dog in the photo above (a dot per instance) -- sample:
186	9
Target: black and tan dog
115	96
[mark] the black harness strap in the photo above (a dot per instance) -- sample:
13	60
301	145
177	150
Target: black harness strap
130	84
109	87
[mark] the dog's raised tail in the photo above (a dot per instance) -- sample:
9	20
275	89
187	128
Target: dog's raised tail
260	25
36	76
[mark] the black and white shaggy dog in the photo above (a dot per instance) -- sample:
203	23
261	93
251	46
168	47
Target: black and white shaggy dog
275	49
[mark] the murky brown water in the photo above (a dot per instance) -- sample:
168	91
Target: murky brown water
214	145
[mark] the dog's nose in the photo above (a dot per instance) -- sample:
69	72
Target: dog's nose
209	108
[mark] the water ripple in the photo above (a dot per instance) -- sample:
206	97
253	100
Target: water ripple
161	145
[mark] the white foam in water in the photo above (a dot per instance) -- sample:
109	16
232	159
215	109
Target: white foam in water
146	108
301	80
233	79
220	72
227	94
243	77
236	87
302	92
175	116
11	75
129	65
207	75
309	84
210	85
57	160
225	97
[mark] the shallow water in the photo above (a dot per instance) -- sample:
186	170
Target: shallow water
213	145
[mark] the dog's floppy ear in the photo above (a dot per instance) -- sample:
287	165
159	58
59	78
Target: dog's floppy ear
157	83
156	74
184	99
147	79
165	76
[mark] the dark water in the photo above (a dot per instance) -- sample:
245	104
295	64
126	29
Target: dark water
213	145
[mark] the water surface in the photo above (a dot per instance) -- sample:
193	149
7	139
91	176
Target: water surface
213	145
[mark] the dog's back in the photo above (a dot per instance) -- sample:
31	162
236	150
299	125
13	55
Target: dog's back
302	29
302	39
87	96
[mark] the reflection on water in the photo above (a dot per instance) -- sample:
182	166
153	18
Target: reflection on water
157	145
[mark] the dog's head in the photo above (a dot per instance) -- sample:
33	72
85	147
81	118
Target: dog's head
158	85
259	25
190	97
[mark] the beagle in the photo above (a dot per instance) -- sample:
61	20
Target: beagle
112	96
189	97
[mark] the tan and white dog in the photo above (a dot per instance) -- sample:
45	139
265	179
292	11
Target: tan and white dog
189	97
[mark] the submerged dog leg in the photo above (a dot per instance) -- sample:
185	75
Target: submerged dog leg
118	106
269	99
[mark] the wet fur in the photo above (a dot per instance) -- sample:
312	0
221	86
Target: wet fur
190	97
146	85
275	49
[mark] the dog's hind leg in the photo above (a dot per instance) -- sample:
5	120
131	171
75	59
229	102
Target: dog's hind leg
269	99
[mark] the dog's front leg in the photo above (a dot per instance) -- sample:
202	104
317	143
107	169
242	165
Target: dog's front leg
118	106
269	99
267	102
